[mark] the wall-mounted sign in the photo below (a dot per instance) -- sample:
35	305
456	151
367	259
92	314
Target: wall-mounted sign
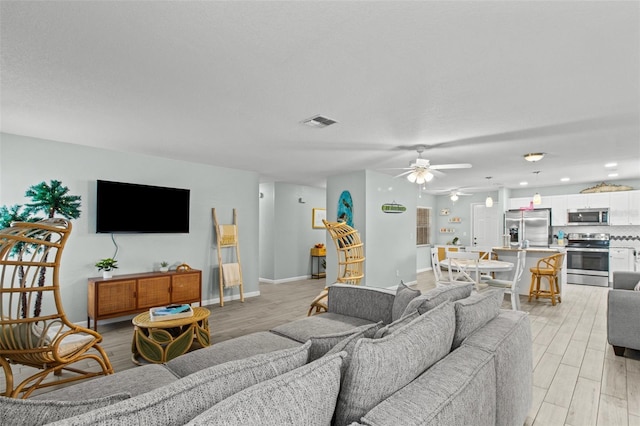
393	208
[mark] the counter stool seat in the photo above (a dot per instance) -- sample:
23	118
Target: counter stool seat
549	268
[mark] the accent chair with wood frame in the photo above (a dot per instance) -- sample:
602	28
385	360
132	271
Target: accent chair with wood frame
34	330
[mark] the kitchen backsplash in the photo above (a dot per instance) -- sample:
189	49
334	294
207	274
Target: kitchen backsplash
621	236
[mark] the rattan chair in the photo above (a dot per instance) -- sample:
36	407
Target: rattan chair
34	330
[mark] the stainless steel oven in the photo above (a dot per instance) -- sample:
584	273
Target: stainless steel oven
588	259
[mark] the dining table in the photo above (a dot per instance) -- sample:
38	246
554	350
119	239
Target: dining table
481	266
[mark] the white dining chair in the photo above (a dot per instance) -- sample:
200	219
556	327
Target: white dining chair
437	268
461	264
512	286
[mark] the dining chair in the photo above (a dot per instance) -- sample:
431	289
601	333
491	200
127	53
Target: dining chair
460	264
549	268
513	285
437	267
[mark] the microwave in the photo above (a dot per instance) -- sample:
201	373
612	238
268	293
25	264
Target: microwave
588	217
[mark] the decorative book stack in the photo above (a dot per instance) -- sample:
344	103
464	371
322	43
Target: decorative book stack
171	312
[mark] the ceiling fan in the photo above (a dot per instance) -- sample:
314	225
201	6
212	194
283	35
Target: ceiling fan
422	170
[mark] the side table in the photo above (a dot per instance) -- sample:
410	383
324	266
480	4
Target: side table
318	274
161	341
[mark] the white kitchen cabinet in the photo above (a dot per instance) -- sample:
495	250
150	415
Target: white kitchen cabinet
587	201
624	208
517	203
634	207
620	259
558	210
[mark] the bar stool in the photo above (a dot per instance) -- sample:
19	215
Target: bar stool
549	268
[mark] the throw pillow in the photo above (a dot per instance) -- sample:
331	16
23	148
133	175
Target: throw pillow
388	329
304	396
404	295
320	345
475	311
380	367
182	400
637	287
27	412
438	295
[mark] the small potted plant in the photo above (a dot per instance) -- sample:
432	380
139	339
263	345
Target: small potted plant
164	266
106	266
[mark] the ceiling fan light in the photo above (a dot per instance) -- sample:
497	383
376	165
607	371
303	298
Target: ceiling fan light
537	199
534	156
489	201
411	177
421	179
454	197
428	176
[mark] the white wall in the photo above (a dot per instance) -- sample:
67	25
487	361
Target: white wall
285	244
389	239
28	161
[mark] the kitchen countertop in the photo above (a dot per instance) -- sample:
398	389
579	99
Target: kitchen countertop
533	249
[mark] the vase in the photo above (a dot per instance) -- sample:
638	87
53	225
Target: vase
164	269
107	274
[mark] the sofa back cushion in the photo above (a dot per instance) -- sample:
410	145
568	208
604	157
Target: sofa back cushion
475	311
304	396
380	367
404	295
24	412
320	345
438	295
369	303
184	399
399	323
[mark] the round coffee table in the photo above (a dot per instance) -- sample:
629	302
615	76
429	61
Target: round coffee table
161	341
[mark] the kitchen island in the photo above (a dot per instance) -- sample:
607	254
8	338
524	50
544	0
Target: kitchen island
534	254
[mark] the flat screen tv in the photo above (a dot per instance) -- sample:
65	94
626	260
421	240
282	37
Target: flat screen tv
132	208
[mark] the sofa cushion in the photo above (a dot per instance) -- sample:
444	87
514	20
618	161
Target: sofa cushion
369	303
508	337
229	350
388	329
404	295
27	412
438	295
136	381
304	396
458	390
320	345
379	367
184	399
475	311
327	323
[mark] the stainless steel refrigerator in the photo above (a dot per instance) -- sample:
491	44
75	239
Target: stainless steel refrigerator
528	227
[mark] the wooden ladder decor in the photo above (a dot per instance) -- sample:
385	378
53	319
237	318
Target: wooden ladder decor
230	274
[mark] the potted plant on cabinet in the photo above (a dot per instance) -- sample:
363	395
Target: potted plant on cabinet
106	266
164	266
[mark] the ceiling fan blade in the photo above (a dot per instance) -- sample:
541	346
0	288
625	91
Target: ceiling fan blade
436	173
451	166
403	173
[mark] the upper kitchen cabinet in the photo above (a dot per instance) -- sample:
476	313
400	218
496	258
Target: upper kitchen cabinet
588	201
558	210
624	208
518	203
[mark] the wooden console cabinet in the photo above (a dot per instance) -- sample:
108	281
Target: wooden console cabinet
130	294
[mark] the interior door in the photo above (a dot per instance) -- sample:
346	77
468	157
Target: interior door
486	226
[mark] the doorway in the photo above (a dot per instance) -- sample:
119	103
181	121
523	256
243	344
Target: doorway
486	225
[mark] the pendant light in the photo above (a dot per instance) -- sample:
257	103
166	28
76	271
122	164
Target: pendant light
489	201
537	198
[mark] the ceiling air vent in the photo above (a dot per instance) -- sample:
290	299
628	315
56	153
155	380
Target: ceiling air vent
319	121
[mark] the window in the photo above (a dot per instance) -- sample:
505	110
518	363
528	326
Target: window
423	226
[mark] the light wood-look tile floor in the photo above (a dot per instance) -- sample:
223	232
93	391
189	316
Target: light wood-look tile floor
577	378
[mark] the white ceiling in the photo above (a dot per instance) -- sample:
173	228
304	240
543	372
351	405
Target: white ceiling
227	84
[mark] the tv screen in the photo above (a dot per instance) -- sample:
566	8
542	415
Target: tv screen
131	208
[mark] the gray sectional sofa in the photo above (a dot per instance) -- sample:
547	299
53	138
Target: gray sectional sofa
449	356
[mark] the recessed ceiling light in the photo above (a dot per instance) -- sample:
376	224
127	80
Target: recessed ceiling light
534	156
611	164
523	183
612	175
565	179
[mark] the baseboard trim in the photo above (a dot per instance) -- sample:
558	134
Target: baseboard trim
284	280
424	270
216	300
